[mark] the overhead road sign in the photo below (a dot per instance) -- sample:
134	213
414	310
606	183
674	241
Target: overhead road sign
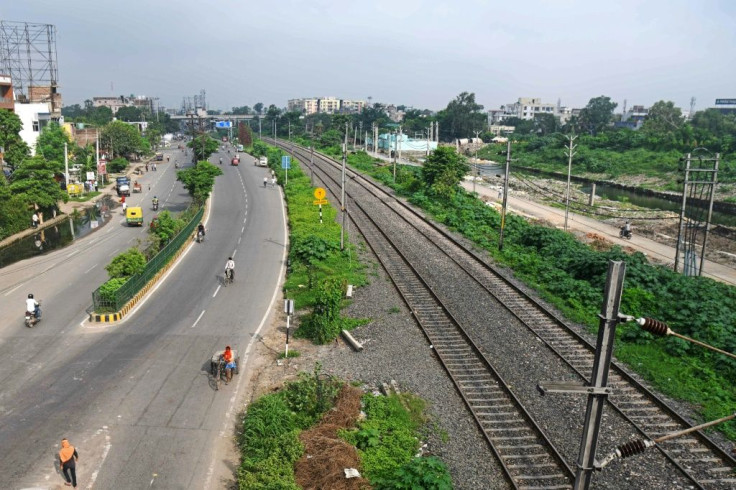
223	124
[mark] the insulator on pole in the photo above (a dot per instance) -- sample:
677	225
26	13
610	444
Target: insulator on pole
654	326
627	450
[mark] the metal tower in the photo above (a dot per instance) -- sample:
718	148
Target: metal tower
28	56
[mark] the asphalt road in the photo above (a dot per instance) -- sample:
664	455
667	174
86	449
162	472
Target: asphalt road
135	397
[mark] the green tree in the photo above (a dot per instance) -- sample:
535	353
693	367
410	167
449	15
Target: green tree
664	120
545	124
244	110
461	117
126	264
120	138
203	146
50	145
521	126
14	212
258	107
16	150
443	170
99	116
129	114
34	183
597	115
199	180
72	112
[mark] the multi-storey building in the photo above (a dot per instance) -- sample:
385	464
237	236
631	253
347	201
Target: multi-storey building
115	103
327	105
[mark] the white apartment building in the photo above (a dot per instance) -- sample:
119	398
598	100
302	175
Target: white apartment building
115	103
327	105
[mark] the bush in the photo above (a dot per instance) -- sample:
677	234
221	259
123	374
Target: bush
428	473
126	264
109	288
117	165
324	324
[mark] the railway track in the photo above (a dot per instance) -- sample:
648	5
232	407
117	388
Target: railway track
697	457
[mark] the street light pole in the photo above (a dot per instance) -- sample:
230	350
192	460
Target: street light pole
342	189
505	194
570	153
475	165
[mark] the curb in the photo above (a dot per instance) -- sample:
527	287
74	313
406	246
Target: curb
118	315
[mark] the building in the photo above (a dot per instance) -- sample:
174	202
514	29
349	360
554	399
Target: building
633	118
115	103
726	106
528	108
325	105
6	93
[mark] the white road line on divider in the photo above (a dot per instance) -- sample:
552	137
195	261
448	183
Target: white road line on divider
198	318
239	238
75	252
217	290
234	252
113	252
90	268
105	452
242	229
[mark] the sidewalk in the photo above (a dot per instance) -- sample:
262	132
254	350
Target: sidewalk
658	252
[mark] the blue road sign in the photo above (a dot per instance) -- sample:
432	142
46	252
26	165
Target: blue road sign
286	162
223	124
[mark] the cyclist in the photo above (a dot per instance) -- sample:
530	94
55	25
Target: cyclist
227	356
230	269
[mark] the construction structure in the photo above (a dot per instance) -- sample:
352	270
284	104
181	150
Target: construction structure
28	57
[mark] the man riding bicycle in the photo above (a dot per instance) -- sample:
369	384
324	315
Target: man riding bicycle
230	269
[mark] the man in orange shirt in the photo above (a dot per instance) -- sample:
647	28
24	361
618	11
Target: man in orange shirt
68	457
229	364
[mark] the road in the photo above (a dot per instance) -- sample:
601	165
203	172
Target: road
661	253
135	397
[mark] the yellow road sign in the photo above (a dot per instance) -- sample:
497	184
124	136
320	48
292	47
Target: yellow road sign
320	201
319	194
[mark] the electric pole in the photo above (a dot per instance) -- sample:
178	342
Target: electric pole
342	189
570	153
505	194
475	164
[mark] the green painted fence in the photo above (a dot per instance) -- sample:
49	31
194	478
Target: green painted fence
105	303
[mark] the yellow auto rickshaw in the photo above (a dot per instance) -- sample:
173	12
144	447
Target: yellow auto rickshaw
134	216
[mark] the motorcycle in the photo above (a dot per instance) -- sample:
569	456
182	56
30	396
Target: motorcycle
200	236
33	317
176	164
624	234
155	206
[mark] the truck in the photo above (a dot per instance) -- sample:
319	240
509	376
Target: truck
122	185
263	162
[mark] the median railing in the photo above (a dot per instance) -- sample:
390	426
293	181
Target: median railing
104	302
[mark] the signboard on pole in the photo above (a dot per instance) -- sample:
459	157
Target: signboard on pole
102	167
223	124
286	162
90	176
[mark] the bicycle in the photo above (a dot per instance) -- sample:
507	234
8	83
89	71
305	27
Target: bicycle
218	368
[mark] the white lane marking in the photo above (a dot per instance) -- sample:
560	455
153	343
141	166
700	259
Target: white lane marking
84	320
234	252
198	318
242	229
113	252
132	239
75	252
108	445
90	268
16	287
239	238
254	337
243	220
93	241
217	290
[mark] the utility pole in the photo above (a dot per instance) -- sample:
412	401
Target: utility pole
570	153
66	167
401	134
475	165
599	378
360	124
342	188
394	134
505	194
259	126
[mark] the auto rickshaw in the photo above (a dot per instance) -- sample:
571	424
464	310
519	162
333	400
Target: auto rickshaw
134	216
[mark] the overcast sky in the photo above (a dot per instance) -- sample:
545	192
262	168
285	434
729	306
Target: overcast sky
419	53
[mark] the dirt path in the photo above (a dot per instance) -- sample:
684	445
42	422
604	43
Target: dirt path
654	238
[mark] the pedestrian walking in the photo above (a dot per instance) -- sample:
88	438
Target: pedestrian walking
154	167
273	181
68	458
146	167
34	220
265	182
125	206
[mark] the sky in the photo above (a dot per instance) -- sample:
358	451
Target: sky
419	53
